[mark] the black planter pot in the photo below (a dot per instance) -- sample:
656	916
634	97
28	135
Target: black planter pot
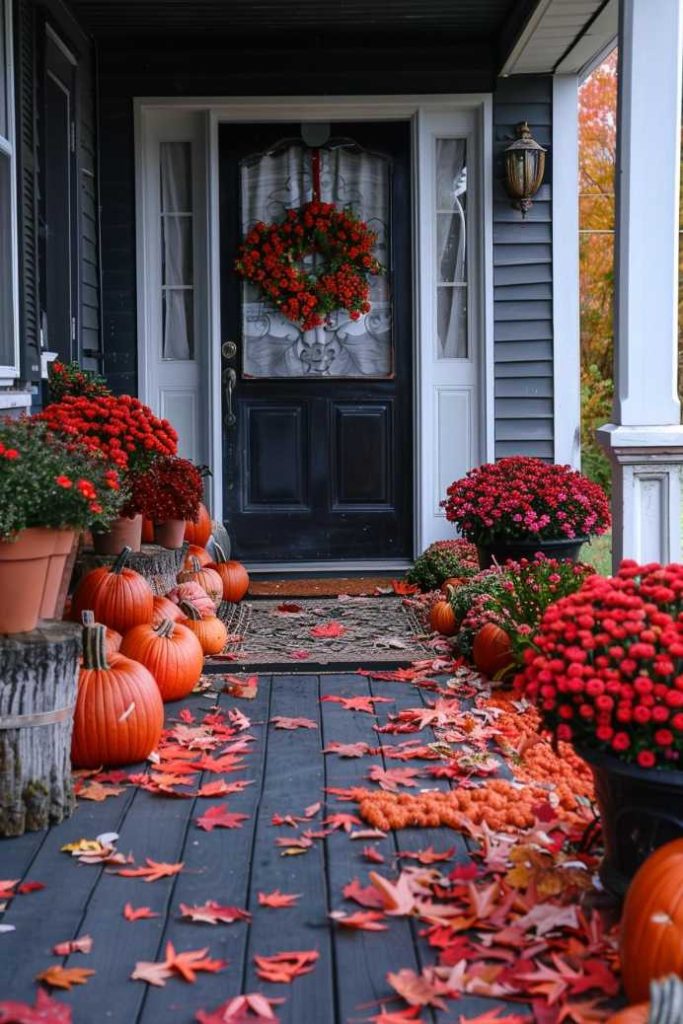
501	551
641	809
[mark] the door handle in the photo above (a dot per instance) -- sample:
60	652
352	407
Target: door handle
230	383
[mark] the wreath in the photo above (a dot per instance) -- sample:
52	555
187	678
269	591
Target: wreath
272	257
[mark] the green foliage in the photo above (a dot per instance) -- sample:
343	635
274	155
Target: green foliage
441	560
597	393
69	379
470	597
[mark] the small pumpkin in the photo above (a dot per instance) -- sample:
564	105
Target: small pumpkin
210	631
113	641
119	714
164	608
442	618
632	1015
492	650
651	936
195	551
171	652
199	532
452	581
119	597
193	592
207	578
233	574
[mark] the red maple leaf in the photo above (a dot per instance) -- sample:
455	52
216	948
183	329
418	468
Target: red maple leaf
362	920
212	912
220	817
391	778
404	588
365	704
7	890
82	945
222	788
132	913
278	899
283	722
30	887
372	854
254	1007
411	1015
366	897
299	655
494	1017
429	855
345	821
328	629
284	967
45	1010
152	872
289	607
347	749
424	989
188	964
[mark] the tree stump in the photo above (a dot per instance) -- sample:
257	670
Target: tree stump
158	565
38	673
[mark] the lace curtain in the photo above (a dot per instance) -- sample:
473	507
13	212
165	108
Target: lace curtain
177	271
451	193
272	345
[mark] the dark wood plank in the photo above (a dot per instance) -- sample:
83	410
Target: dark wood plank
362	958
217	867
294	780
18	853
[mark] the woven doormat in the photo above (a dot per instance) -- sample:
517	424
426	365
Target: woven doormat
320	586
320	634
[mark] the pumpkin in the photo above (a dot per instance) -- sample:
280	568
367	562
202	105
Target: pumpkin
233	574
194	551
207	578
442	618
210	631
452	581
119	714
192	592
171	652
147	531
651	936
199	531
164	608
119	597
492	650
631	1015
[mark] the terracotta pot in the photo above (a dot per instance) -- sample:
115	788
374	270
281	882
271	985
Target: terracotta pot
24	566
60	566
147	531
123	532
170	533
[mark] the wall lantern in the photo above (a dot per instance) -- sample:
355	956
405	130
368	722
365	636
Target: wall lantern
524	167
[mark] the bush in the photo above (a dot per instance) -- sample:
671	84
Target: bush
441	560
596	409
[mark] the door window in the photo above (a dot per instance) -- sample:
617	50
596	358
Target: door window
177	250
451	248
351	177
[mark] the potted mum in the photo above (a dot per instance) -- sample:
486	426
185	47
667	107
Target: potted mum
520	506
169	493
129	435
606	672
50	489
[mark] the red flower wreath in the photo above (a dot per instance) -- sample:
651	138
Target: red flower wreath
272	255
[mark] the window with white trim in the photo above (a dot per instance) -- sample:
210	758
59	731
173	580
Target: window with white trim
9	335
451	246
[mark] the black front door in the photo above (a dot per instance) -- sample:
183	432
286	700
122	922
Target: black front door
318	459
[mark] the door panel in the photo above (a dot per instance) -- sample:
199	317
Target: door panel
318	430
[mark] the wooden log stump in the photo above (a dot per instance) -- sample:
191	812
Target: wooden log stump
38	674
158	565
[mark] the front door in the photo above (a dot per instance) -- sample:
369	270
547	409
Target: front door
318	456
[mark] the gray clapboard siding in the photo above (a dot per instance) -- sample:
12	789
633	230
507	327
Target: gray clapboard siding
523	309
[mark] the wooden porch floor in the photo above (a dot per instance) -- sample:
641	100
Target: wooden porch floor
290	772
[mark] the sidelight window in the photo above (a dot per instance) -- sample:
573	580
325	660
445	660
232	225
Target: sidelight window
451	248
177	251
9	338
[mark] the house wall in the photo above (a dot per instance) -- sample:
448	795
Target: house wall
30	20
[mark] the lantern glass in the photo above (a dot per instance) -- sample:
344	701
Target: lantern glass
524	168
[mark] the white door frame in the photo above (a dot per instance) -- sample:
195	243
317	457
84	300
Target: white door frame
423	112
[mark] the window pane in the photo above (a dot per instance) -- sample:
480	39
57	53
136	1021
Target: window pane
452	322
450	247
6	270
176	177
176	250
178	336
451	173
4	131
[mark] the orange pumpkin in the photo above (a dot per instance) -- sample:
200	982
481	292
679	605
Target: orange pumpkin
195	551
171	652
210	631
631	1015
193	592
207	578
199	531
652	922
119	597
492	650
452	581
119	714
233	574
442	618
164	608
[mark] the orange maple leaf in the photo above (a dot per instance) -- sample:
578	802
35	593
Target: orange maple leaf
284	967
278	899
64	977
153	871
363	920
132	913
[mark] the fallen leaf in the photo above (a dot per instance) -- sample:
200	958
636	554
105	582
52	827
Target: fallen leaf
284	967
404	588
82	945
7	889
411	1015
391	778
494	1017
212	912
220	817
365	704
64	977
366	897
152	973
428	855
312	810
424	989
348	749
282	722
299	655
345	821
222	788
289	607
372	854
132	913
278	899
26	887
96	791
152	872
253	1007
187	964
45	1010
328	630
362	920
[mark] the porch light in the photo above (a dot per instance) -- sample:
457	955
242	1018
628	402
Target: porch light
524	167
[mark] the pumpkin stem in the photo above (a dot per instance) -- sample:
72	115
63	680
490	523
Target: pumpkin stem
191	610
120	563
165	627
88	618
94	644
195	563
220	553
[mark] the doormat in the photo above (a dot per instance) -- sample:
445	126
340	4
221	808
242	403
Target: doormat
320	635
320	586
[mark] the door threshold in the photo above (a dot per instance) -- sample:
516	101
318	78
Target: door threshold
372	566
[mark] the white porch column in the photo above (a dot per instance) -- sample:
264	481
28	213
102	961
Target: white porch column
645	441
